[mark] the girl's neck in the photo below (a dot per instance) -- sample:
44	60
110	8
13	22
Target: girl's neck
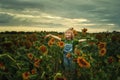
69	39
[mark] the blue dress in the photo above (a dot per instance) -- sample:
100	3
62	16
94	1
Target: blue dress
68	62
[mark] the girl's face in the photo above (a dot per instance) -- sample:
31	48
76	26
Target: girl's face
68	35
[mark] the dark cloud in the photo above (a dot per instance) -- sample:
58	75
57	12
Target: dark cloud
108	10
9	20
4	18
101	12
20	4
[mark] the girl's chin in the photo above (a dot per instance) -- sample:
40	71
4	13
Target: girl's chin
68	38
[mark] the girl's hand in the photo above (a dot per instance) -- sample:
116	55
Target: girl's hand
82	40
47	36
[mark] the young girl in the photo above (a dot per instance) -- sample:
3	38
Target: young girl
70	43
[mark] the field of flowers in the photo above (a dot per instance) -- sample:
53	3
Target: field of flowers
29	56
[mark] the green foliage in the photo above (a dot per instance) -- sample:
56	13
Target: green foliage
15	59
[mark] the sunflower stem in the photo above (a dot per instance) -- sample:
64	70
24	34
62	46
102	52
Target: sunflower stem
11	59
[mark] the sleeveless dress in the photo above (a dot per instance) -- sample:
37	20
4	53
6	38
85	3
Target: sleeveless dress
68	62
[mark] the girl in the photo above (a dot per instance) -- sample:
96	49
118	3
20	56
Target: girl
70	43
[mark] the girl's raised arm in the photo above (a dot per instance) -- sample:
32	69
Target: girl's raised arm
82	40
56	37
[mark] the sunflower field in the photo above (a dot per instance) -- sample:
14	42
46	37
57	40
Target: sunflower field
30	56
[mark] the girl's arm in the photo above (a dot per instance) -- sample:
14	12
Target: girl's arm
56	37
82	40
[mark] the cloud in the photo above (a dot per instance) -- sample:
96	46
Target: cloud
4	18
20	4
94	14
8	19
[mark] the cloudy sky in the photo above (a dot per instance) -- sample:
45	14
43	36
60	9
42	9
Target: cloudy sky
58	15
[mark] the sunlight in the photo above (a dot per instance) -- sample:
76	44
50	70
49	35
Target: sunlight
59	29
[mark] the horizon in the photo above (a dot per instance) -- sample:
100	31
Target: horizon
39	29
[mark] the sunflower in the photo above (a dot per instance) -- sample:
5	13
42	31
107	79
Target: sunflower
110	59
43	49
2	66
36	64
36	60
68	55
61	44
50	43
33	71
82	62
52	40
33	37
114	38
84	30
25	75
101	45
30	56
28	44
102	51
91	43
99	37
77	51
75	32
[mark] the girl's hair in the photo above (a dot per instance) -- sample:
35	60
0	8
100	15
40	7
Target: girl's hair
70	29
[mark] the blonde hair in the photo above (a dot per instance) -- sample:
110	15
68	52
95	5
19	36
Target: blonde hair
70	29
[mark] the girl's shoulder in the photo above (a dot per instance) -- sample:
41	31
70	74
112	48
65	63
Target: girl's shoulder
75	41
63	39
